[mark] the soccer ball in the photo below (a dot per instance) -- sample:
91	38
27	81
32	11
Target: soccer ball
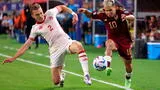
100	63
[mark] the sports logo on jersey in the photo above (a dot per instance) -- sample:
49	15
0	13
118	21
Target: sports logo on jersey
50	18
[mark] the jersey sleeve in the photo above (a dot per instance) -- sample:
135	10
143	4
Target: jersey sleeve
54	11
125	12
97	15
33	34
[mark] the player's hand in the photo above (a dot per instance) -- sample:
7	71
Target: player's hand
123	17
81	10
75	18
8	60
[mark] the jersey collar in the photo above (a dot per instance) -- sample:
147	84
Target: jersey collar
41	21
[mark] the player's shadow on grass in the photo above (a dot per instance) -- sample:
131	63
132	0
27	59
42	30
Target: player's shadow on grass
66	88
51	88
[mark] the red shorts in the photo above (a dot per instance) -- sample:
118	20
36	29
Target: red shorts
124	48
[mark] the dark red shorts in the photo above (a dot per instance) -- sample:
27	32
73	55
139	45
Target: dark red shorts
124	48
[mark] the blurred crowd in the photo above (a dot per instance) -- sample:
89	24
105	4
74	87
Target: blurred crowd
16	22
20	22
149	28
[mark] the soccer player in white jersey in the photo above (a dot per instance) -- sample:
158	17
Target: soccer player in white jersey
59	42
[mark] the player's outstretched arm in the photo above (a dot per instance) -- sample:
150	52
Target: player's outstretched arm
66	9
85	11
19	52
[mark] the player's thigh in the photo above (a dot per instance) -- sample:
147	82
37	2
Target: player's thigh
127	62
110	44
75	47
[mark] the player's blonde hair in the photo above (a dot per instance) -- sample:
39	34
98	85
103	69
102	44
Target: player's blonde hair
107	3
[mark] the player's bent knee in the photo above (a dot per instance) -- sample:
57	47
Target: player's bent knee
108	44
128	61
78	45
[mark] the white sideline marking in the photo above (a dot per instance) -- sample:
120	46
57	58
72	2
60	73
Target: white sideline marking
46	66
30	52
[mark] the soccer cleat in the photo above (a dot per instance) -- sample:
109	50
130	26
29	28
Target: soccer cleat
127	83
108	71
61	84
87	79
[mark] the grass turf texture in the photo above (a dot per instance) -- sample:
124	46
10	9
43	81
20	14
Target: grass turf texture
24	76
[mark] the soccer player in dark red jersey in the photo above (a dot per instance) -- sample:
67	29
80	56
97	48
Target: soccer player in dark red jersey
119	38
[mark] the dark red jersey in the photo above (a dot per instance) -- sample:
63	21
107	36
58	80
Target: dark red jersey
117	27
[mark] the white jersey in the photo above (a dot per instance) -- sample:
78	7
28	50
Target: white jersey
52	32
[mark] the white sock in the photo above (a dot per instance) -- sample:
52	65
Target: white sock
84	62
109	59
62	76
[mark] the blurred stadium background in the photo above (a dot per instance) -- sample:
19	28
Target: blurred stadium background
15	21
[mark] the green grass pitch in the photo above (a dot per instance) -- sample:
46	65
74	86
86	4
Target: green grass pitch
25	76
